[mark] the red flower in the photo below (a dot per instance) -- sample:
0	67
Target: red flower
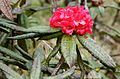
72	19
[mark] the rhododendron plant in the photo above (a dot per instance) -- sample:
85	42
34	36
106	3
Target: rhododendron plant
72	20
30	48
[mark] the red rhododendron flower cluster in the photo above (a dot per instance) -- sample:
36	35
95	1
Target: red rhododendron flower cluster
72	19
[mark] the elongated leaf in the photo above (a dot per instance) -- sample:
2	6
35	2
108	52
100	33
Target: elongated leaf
63	75
6	8
39	51
5	20
68	49
94	11
24	53
35	29
10	74
24	36
87	57
36	67
12	54
6	24
2	38
4	30
12	61
41	29
11	26
34	35
24	20
97	51
51	36
101	9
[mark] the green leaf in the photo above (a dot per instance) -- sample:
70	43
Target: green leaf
24	53
12	61
5	24
4	30
68	49
86	56
24	20
10	74
41	29
12	26
51	36
36	67
39	51
12	54
101	10
34	35
94	12
3	38
97	51
63	75
24	36
5	20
